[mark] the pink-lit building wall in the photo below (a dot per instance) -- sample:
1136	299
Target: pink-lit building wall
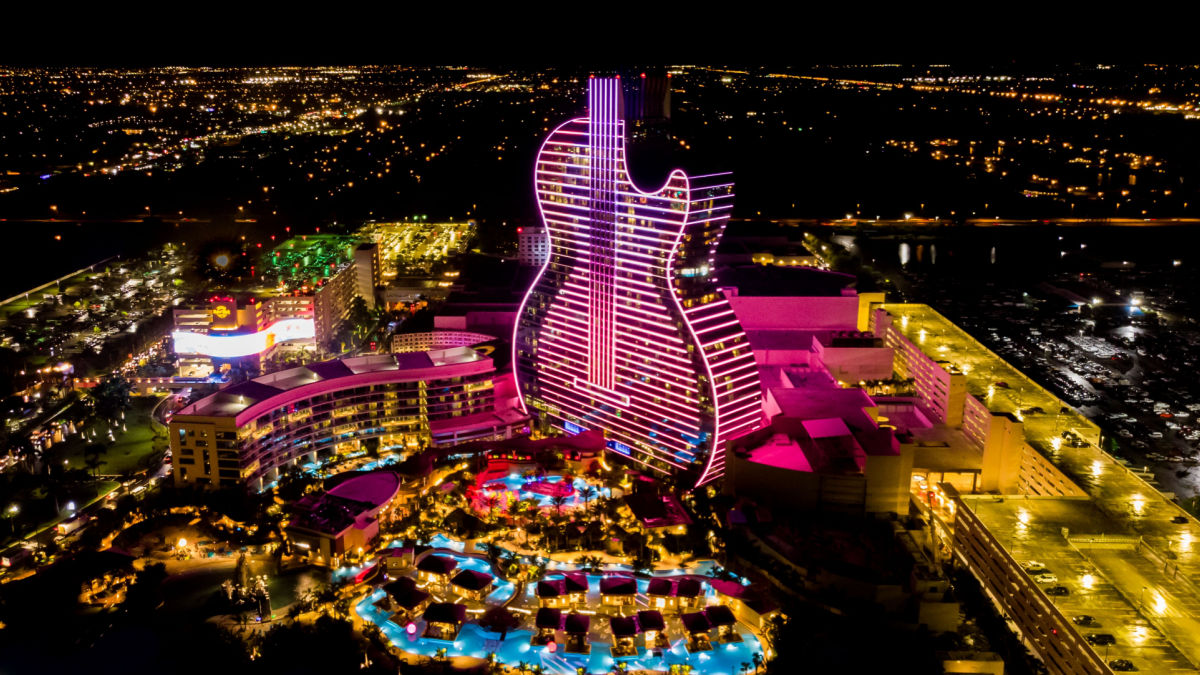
791	313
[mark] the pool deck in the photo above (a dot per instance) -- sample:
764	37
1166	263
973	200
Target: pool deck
477	643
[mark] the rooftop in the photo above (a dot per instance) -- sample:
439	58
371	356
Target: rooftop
235	399
377	487
1153	617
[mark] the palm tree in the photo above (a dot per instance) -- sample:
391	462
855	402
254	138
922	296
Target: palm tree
589	563
589	492
499	619
492	502
540	567
91	456
559	501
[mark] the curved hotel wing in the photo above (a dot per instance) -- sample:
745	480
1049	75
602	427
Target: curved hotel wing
249	432
624	329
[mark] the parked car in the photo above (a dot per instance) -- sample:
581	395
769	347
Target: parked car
1045	578
1100	638
1121	665
1058	590
1084	620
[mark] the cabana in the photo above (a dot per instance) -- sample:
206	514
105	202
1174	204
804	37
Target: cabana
688	594
397	559
624	633
547	622
660	591
619	592
472	585
407	600
576	586
576	627
569	591
721	618
654	628
435	570
696	625
444	620
551	593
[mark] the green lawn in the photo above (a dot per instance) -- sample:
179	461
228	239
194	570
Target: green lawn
126	452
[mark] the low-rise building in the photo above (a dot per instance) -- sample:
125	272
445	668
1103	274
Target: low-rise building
343	520
618	592
435	570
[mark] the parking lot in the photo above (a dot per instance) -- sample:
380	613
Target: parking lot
1103	579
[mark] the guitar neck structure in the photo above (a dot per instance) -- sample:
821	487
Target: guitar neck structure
624	329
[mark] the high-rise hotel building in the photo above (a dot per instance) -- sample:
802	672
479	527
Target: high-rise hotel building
248	433
624	329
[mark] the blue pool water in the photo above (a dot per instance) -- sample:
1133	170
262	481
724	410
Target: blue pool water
347	572
438	540
513	482
474	641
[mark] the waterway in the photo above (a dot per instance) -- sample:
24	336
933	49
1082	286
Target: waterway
1031	249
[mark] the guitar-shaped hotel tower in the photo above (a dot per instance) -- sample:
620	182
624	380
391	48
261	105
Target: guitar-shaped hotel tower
623	329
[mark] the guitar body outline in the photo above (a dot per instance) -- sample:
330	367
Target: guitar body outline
623	328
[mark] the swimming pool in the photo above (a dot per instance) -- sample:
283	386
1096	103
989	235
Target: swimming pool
438	540
476	642
514	489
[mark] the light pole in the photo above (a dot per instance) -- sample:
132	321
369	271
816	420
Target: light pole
10	514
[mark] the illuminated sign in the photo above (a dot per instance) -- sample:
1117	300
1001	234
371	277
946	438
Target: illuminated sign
619	447
246	344
224	311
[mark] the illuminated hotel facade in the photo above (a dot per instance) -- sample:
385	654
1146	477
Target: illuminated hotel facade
623	329
247	434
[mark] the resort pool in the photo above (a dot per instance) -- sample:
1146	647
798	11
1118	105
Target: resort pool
502	591
476	642
346	573
513	487
438	540
380	463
